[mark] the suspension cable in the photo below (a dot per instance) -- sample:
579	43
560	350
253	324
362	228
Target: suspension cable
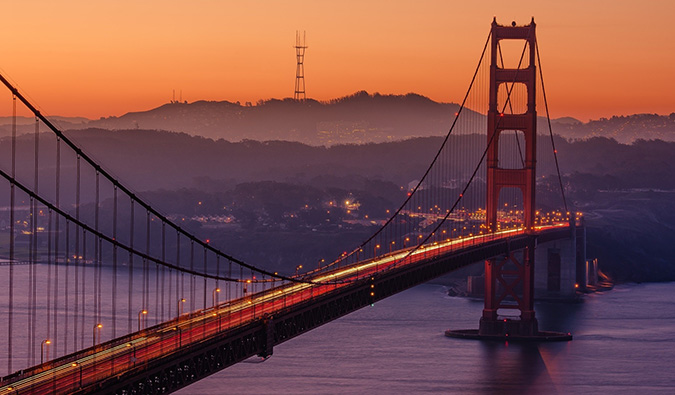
473	175
112	240
116	183
426	173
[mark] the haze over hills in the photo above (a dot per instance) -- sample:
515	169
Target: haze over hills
277	191
355	119
616	171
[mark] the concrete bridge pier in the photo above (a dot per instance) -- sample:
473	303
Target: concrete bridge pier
557	271
560	269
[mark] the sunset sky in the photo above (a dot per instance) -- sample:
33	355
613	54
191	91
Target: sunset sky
102	58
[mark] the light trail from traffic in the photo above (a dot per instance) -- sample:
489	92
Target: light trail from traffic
110	359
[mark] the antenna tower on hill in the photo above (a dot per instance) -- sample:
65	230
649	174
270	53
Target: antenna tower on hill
300	46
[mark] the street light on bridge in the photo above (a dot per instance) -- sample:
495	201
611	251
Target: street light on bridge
141	316
42	350
214	296
97	329
179	307
297	268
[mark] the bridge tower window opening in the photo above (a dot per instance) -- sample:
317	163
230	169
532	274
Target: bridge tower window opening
512	98
510	145
510	211
509	51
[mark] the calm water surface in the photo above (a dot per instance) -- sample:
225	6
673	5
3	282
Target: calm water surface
624	342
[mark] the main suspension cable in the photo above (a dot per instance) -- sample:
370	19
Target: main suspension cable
115	182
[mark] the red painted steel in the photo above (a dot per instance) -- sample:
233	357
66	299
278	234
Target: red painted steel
519	284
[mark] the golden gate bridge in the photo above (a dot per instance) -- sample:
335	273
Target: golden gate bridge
104	293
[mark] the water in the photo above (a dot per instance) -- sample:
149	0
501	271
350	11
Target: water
623	343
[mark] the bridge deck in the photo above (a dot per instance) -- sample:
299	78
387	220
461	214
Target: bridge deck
173	354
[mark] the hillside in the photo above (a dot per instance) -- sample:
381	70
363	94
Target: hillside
624	129
355	119
624	190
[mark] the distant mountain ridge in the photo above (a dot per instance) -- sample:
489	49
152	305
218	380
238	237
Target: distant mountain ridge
624	129
355	119
358	118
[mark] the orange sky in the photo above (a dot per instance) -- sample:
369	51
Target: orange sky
101	58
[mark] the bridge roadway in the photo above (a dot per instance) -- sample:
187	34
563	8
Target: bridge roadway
173	354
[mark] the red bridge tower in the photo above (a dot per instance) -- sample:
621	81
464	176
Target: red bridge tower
509	280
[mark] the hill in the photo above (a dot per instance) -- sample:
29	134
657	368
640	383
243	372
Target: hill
624	190
355	119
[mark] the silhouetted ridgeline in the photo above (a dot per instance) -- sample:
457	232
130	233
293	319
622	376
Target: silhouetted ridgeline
358	118
624	129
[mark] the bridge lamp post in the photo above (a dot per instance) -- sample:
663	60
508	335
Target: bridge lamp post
97	329
141	316
42	350
214	296
407	239
391	246
297	269
75	365
377	265
179	307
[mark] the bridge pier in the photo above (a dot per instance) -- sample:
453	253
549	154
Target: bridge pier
561	267
560	264
509	285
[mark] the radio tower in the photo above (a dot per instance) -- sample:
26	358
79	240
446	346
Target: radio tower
300	69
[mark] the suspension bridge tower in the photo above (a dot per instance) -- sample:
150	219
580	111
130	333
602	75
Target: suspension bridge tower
509	278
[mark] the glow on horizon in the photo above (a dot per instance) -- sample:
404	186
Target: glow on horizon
94	59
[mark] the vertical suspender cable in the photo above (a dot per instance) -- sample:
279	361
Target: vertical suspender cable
31	286
217	270
49	266
66	286
83	263
130	280
192	276
97	250
163	271
205	282
76	256
145	263
57	228
182	284
50	262
35	226
114	272
12	192
34	220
